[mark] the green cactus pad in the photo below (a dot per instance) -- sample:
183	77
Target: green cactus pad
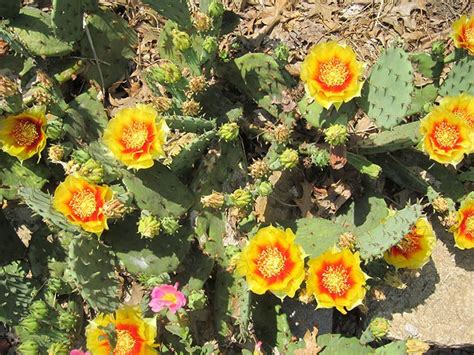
337	344
9	8
13	248
113	42
17	294
159	191
376	241
67	20
175	10
190	124
91	267
460	79
32	28
90	5
386	95
150	256
316	235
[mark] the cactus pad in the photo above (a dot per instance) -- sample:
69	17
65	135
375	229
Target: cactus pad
386	95
175	10
67	20
460	79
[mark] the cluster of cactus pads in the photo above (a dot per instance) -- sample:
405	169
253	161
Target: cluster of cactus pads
243	140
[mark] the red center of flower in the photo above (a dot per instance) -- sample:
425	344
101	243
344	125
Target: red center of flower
467	225
469	33
128	341
446	136
408	245
333	75
135	136
83	203
270	262
26	132
335	279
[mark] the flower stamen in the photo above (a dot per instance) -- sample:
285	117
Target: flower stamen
125	343
336	280
470	224
25	133
135	136
470	35
333	73
83	203
446	135
270	262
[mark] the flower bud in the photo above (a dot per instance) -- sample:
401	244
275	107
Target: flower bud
166	73
181	40
80	156
28	347
92	171
8	87
320	157
265	188
210	44
58	349
197	84
214	200
440	204
228	131
54	285
148	226
289	158
282	53
259	169
39	310
281	134
240	198
169	225
29	324
54	129
56	153
379	327
197	300
162	104
201	21
114	209
191	108
215	9
450	220
67	320
336	134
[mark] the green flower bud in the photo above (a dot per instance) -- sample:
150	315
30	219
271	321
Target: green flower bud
172	74
54	129
181	40
67	320
282	53
80	156
28	347
151	281
29	324
210	44
229	131
379	327
215	9
240	198
336	134
58	349
197	300
170	225
201	21
289	158
54	285
92	171
265	188
320	157
148	226
39	310
438	48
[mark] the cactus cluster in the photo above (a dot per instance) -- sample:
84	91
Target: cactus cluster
149	182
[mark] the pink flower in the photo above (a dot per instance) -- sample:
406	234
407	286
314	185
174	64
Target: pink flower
167	296
79	352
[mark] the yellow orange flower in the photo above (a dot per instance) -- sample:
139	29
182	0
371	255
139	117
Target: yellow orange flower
332	74
336	280
464	229
83	203
134	335
462	106
415	249
446	137
23	136
463	33
272	262
136	136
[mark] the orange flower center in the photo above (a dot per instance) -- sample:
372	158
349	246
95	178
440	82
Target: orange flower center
470	35
409	243
336	279
135	136
125	343
270	262
83	203
464	114
25	133
446	135
333	73
470	224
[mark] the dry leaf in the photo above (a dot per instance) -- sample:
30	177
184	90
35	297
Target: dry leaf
311	346
305	202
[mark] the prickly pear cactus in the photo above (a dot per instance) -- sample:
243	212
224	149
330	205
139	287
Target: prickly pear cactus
66	18
91	268
33	29
175	10
460	79
386	95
